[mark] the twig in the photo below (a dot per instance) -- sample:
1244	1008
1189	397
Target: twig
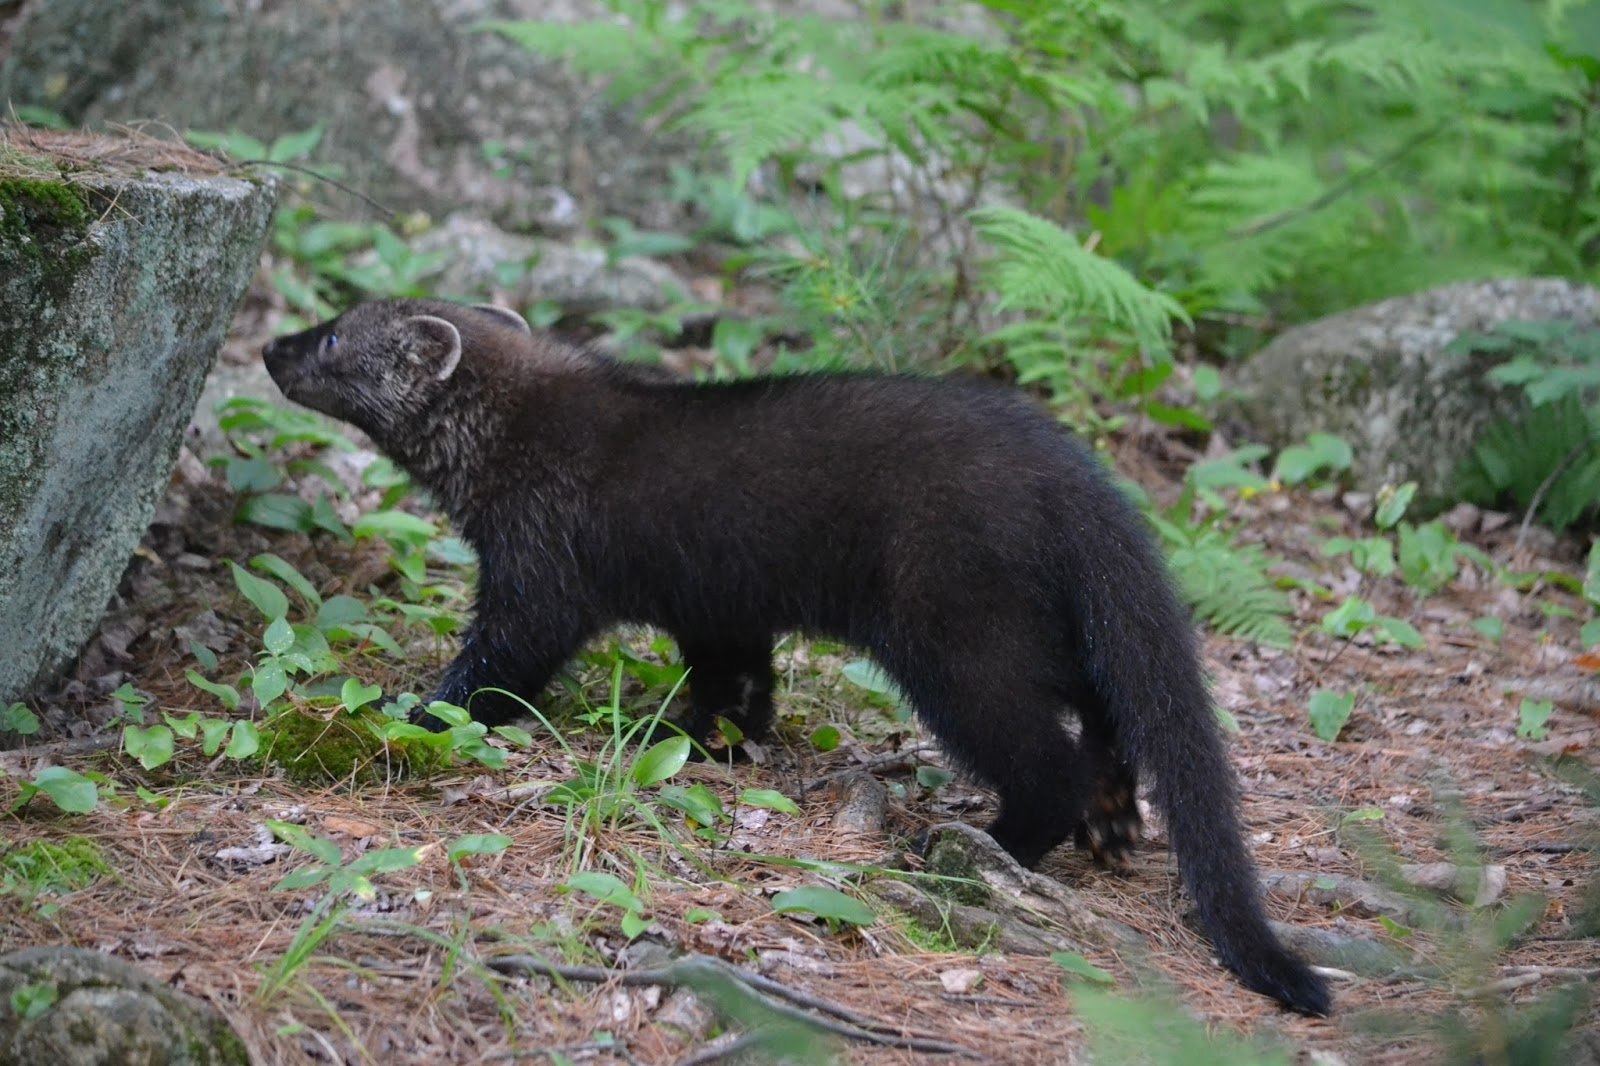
1586	973
1335	192
693	969
721	1048
240	164
1544	486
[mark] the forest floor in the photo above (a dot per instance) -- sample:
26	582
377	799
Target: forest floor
1430	765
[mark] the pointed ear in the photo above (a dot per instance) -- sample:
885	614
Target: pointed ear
507	315
436	344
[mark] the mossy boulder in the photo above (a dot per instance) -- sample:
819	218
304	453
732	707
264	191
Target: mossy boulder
117	284
71	1005
1382	377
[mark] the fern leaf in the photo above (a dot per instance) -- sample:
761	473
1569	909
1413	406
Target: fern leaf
1041	267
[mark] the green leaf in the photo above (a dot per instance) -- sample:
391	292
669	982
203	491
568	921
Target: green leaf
68	789
269	682
514	735
1362	814
934	776
768	798
700	915
277	511
398	526
340	612
213	734
16	718
323	849
607	888
1207	383
1349	618
1329	712
1589	635
226	693
385	861
151	745
246	741
354	695
267	597
660	761
1038	266
279	637
827	903
1400	631
864	673
293	146
1392	504
1532	717
478	844
30	1001
1393	928
825	738
284	571
305	877
697	802
633	924
1079	967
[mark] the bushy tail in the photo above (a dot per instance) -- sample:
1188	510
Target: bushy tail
1146	671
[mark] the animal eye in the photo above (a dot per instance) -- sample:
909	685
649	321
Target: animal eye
329	343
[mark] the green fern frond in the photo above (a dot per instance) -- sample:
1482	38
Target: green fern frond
1226	584
1041	267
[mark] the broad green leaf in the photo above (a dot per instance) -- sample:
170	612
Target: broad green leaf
825	738
826	903
354	695
697	802
1392	504
607	888
151	745
1078	966
1532	717
267	597
246	741
284	571
768	798
269	682
68	789
478	844
1329	712
279	637
386	861
226	693
660	761
213	734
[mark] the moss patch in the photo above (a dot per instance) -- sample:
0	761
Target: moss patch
316	748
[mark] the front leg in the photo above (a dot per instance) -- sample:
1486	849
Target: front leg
516	653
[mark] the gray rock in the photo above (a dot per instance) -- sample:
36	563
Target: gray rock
579	279
1378	377
105	1012
113	311
420	111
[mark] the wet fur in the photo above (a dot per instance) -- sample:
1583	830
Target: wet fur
982	556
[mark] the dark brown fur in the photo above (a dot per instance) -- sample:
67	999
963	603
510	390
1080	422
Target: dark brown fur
981	556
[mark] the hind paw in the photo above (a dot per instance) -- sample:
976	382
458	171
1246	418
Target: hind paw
1111	827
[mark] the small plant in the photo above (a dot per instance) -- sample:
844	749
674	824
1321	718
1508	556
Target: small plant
1322	453
829	904
1547	460
1329	712
41	870
1532	717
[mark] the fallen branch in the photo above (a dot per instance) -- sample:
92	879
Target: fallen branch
696	971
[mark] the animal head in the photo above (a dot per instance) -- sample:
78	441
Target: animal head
381	365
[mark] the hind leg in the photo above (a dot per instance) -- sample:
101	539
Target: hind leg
1014	740
1111	825
728	680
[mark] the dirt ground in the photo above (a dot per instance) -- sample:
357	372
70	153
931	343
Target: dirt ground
1432	745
